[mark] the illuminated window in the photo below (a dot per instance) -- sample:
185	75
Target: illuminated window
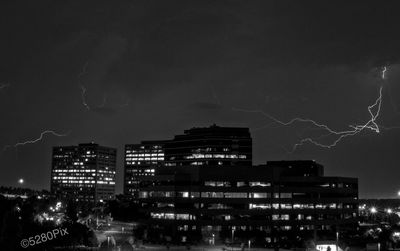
182	216
183	194
286	206
280	217
210	183
235	195
259	206
217	183
194	195
259	184
241	184
286	195
259	195
303	206
217	206
212	195
143	195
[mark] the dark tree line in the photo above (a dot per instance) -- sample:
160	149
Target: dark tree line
17	222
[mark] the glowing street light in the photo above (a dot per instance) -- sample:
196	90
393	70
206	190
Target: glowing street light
389	211
373	210
21	181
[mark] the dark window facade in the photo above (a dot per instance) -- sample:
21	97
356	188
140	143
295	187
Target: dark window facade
271	199
203	183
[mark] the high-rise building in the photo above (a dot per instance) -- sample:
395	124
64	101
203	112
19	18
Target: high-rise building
85	173
140	160
210	146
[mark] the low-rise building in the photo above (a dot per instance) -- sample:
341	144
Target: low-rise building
277	202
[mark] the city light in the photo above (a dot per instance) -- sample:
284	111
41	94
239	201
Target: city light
82	176
322	247
250	126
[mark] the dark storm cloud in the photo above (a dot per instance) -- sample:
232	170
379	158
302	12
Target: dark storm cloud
109	50
106	111
165	66
205	106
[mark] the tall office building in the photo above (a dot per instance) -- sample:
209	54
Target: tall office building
140	160
85	173
210	146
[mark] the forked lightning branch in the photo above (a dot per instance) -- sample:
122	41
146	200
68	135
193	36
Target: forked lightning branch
371	124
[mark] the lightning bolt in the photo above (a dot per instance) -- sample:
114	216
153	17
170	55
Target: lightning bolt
383	72
36	140
84	71
104	101
83	95
83	88
373	110
370	124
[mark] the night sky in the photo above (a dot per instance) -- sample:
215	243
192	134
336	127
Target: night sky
154	68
